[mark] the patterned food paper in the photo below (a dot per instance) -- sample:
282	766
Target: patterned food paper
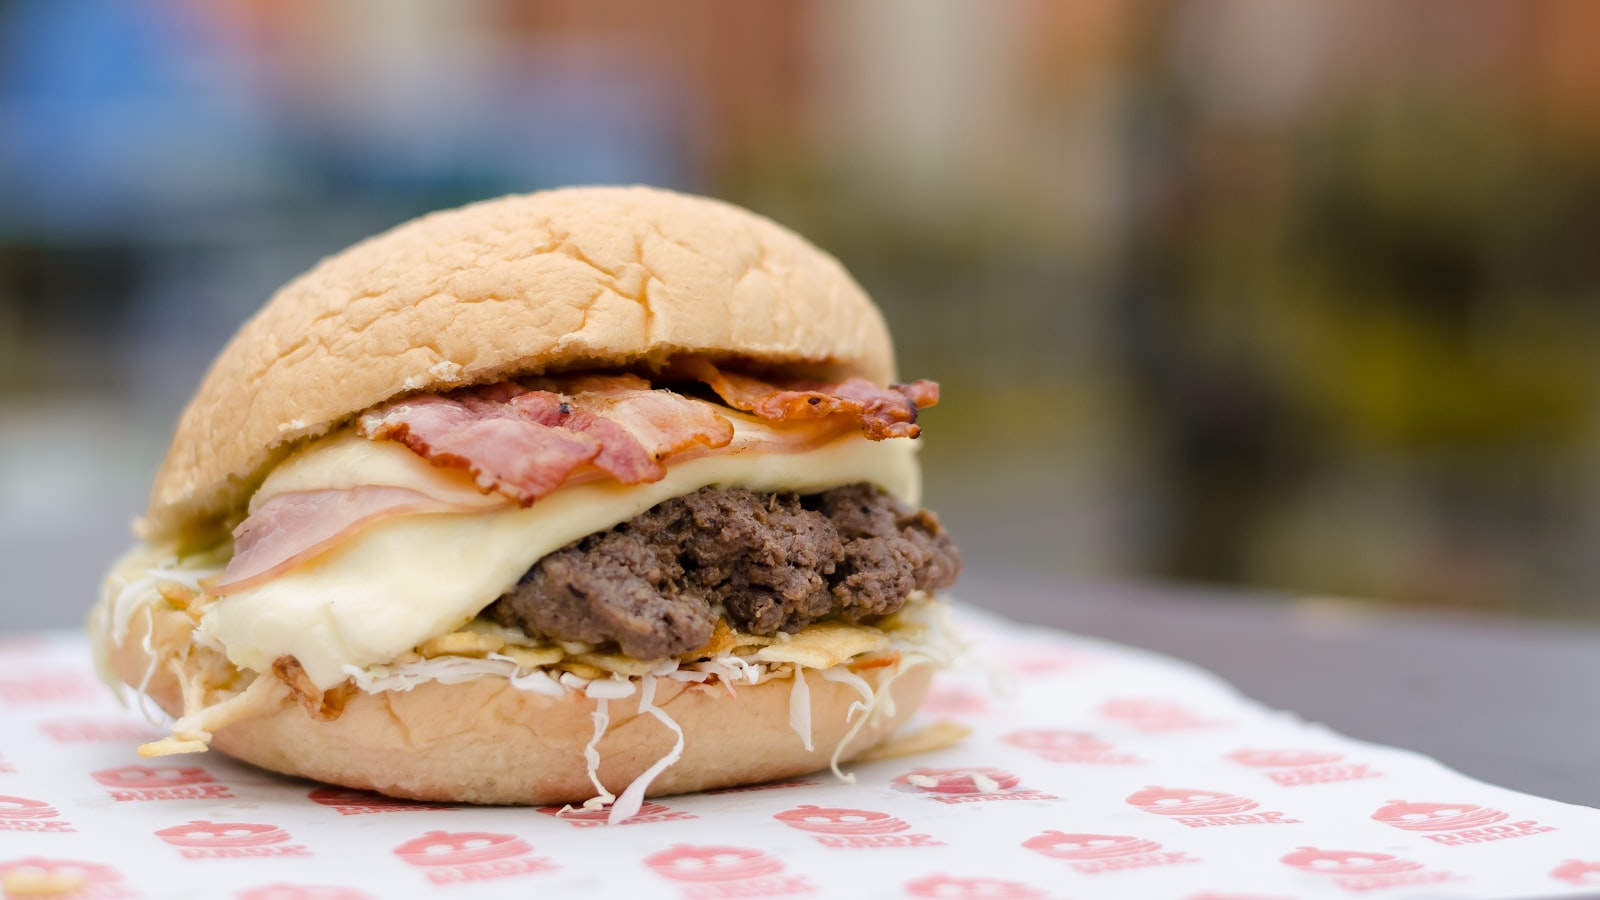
1103	772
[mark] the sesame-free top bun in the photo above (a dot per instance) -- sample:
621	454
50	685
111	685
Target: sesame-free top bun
563	279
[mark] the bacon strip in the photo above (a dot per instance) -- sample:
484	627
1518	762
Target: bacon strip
883	412
290	528
524	441
503	448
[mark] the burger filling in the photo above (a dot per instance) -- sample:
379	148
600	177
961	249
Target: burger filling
582	534
768	562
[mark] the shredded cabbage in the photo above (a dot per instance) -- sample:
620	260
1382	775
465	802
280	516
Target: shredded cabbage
800	707
591	756
632	799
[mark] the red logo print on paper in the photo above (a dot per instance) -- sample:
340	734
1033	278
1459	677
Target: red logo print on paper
1357	870
23	814
301	892
83	731
1454	824
950	887
946	699
454	857
1033	661
52	688
706	872
1202	809
592	818
6	768
1582	873
354	803
64	877
1093	854
161	783
967	785
1152	714
202	839
1294	768
1057	745
841	827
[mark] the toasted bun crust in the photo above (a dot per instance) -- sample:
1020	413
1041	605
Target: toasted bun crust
485	741
571	278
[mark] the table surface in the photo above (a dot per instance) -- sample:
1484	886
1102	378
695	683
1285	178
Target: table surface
1506	701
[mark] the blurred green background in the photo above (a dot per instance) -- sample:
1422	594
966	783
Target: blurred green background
1292	295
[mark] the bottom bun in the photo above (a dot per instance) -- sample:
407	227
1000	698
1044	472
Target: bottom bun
485	741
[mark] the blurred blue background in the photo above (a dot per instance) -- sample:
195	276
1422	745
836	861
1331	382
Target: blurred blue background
1292	295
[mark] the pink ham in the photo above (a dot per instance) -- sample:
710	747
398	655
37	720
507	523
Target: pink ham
290	528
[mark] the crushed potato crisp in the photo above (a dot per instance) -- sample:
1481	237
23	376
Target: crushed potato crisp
583	670
825	645
622	665
533	657
460	643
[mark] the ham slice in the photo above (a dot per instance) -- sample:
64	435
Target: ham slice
889	412
288	529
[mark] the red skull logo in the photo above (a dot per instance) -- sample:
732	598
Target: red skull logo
837	820
1088	846
460	848
599	815
201	833
958	781
141	777
1578	872
1437	816
1348	862
1151	713
1188	802
1057	741
948	887
301	892
71	874
954	700
23	808
1266	758
1031	661
690	862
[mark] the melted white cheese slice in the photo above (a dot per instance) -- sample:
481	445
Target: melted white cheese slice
403	580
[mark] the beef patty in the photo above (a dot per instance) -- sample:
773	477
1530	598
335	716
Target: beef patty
773	562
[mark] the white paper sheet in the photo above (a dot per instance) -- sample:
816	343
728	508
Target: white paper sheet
1105	772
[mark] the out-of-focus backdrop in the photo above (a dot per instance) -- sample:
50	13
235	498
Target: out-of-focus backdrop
1298	295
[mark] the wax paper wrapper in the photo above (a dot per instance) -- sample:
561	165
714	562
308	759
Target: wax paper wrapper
1092	770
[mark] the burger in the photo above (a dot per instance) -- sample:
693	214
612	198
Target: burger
570	497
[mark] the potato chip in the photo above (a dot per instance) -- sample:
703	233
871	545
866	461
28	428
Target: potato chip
583	670
460	643
824	646
533	657
622	665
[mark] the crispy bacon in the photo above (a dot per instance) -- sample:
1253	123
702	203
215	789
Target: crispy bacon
504	447
883	412
524	441
290	528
